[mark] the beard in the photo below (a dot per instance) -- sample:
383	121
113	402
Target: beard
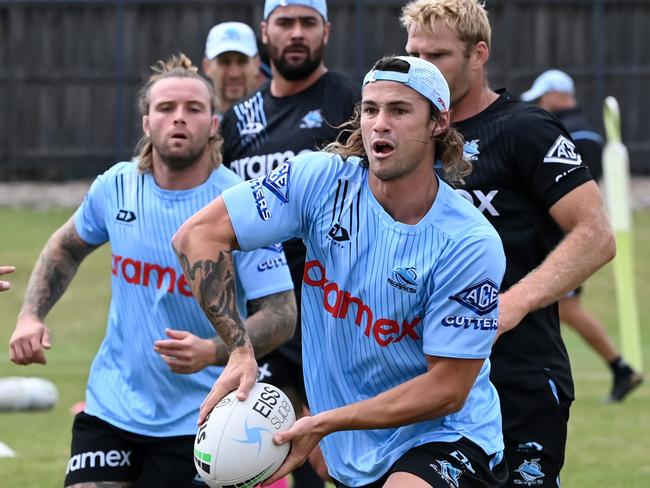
177	161
296	72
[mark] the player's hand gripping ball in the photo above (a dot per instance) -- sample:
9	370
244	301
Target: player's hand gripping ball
234	446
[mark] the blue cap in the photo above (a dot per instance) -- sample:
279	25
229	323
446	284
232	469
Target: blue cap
423	77
319	6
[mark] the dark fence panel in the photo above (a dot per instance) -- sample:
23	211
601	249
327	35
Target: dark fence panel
69	70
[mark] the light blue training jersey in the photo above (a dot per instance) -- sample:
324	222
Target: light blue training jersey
379	295
129	385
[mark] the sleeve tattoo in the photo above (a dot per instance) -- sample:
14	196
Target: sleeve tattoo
271	322
54	269
213	285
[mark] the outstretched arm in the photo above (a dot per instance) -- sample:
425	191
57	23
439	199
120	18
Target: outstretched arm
588	245
53	272
271	322
204	245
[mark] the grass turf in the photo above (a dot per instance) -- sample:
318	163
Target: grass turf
608	444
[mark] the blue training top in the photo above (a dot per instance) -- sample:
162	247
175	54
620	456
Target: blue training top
378	296
129	385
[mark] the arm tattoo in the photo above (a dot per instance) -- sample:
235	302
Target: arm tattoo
54	269
213	285
271	322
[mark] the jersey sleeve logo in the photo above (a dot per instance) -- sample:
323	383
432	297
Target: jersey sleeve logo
481	298
278	181
563	151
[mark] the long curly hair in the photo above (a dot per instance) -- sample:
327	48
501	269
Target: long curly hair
449	144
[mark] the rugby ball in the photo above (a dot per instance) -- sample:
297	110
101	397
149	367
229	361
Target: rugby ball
234	445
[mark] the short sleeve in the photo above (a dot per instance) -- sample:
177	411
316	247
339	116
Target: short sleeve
276	207
545	156
90	221
263	272
461	315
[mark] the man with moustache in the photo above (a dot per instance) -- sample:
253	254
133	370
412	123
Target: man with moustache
297	112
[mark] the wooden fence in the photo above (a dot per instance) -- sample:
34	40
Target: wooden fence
70	69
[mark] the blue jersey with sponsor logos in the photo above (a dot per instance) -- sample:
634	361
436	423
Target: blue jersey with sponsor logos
378	296
129	384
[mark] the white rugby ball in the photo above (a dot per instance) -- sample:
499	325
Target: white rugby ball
234	445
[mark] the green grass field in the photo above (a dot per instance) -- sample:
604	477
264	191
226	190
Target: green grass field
608	445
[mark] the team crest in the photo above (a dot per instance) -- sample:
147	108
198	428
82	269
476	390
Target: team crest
563	151
470	150
312	120
481	298
447	472
404	278
531	472
278	181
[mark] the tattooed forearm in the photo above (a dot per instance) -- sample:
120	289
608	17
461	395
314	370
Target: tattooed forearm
54	270
271	322
213	285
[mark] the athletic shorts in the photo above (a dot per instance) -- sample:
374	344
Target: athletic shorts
278	370
103	452
535	432
460	464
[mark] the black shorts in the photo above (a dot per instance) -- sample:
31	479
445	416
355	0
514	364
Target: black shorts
278	370
103	452
535	432
460	464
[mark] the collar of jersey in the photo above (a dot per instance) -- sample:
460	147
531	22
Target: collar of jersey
423	224
182	194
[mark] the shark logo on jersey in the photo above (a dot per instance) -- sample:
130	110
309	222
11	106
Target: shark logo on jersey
447	472
251	119
563	151
404	278
470	150
278	181
481	298
531	472
313	120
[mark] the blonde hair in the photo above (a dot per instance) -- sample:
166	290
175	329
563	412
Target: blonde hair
449	144
467	17
177	66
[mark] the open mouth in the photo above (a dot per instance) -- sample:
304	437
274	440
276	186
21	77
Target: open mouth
382	148
178	135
